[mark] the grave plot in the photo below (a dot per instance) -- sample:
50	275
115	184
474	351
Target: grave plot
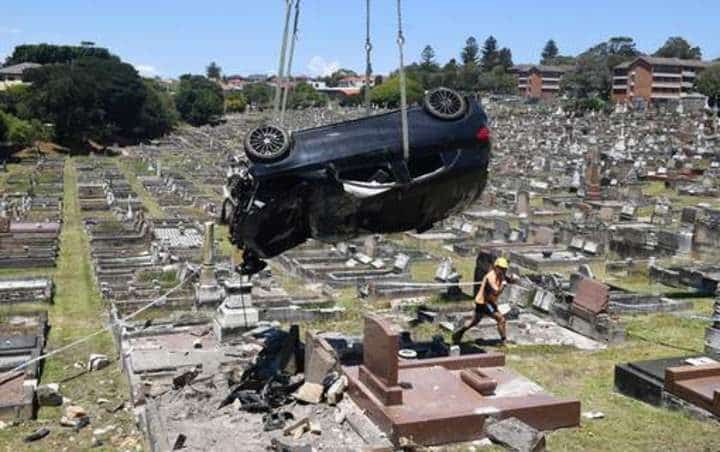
26	290
22	338
30	215
445	400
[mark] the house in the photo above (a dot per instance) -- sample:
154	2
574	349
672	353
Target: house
13	75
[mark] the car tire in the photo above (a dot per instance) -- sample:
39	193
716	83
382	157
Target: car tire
444	103
267	143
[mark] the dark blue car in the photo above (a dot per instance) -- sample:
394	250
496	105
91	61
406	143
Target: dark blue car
344	180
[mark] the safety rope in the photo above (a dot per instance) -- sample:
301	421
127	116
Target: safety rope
288	73
403	91
281	64
25	364
368	51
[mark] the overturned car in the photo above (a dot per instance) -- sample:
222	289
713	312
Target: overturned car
343	180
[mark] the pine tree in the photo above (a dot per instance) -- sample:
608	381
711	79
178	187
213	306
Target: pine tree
550	52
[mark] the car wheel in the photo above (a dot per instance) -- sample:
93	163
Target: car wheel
267	143
444	103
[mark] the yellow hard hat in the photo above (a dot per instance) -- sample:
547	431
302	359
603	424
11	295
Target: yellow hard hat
502	263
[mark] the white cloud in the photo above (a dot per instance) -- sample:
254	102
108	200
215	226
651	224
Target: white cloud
146	70
11	30
319	67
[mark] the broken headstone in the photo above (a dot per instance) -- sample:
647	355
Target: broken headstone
49	395
516	435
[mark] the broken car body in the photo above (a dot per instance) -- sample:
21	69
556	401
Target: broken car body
348	179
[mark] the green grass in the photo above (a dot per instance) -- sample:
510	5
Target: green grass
77	311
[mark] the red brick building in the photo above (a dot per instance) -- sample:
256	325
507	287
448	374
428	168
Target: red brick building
539	81
655	79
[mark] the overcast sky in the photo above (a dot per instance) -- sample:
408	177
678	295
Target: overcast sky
172	37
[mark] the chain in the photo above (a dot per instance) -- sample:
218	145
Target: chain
283	50
403	91
290	62
368	51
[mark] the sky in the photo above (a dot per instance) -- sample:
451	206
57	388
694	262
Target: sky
172	37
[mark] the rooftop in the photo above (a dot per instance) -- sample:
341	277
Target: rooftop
18	69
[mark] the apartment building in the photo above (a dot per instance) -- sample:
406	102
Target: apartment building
538	80
655	80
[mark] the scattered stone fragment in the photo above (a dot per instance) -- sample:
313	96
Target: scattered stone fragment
103	432
97	362
336	390
75	412
49	395
516	435
38	434
593	415
310	393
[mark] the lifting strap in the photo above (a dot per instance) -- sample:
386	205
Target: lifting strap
281	66
368	51
288	73
403	92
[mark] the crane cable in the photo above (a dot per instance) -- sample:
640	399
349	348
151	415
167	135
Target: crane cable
288	73
368	51
281	64
403	91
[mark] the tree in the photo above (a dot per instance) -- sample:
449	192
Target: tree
89	98
504	59
235	102
550	52
592	76
213	71
497	81
678	47
450	74
158	115
21	132
388	94
305	96
489	57
258	94
198	99
54	54
428	58
469	54
708	82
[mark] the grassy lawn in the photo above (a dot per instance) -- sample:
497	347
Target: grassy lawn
78	310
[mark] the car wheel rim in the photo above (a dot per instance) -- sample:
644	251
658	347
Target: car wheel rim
445	103
267	141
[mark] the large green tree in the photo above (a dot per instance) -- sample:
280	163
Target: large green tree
158	114
92	98
708	82
305	96
497	81
388	94
258	94
235	102
52	54
678	47
198	99
592	75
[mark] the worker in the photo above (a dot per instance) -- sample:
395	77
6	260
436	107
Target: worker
491	287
